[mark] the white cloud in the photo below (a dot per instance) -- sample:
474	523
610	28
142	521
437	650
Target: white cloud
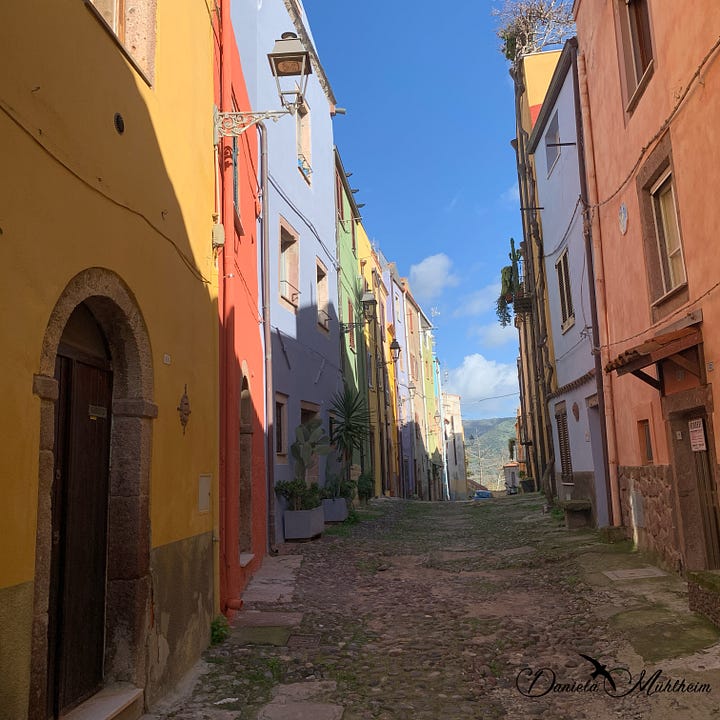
479	302
487	388
431	276
511	196
495	335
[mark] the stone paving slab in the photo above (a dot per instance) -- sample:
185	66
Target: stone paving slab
301	711
261	635
258	618
634	573
274	582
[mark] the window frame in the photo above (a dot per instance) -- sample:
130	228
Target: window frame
289	266
322	295
645	440
567	310
303	137
657	166
635	42
553	136
661	232
281	428
140	36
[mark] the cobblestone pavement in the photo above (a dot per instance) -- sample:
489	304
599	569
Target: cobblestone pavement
432	611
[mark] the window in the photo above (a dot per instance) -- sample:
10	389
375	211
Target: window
322	295
281	437
304	156
133	27
635	47
310	411
566	473
566	307
113	12
339	197
646	450
369	369
552	143
289	280
351	320
668	233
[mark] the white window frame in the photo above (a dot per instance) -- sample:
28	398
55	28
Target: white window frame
661	226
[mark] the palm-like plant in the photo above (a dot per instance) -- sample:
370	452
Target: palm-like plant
351	427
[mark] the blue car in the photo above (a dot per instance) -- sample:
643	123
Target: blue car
481	495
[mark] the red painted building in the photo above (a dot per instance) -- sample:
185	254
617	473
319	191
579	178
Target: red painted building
243	501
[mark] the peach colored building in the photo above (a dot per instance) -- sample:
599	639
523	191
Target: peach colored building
649	81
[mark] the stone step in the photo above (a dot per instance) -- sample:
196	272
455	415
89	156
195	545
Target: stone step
115	702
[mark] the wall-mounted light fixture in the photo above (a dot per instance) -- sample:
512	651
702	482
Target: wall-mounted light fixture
288	59
368	303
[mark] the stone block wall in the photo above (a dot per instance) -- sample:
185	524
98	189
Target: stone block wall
647	506
704	595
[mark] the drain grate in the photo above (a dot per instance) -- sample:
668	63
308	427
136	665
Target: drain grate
303	641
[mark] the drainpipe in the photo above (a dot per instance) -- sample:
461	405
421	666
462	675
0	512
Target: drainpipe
588	236
530	227
225	344
601	353
267	339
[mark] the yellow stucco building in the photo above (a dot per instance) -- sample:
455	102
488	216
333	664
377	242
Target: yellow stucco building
108	323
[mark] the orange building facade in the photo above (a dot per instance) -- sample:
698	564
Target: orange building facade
243	488
649	81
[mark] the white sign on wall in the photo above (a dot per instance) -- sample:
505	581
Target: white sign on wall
697	435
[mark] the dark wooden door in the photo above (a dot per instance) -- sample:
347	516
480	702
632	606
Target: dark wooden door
709	511
79	535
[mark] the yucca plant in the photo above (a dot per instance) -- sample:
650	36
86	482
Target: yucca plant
351	427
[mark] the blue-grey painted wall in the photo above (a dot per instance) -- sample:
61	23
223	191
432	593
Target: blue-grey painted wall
305	357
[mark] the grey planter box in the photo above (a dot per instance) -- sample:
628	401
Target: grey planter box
336	510
303	524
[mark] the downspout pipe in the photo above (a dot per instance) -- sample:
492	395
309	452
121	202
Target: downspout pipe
226	349
588	237
593	221
267	337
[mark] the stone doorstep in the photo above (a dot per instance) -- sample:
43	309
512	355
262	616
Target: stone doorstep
634	573
115	702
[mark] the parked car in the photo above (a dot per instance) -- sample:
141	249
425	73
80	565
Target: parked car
481	495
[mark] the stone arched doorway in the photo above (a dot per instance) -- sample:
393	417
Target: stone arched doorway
98	300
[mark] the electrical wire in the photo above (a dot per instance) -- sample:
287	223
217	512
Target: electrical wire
9	112
663	127
305	219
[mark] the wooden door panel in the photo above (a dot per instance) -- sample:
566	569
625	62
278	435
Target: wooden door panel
81	616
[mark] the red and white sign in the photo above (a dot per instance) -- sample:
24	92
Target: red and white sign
697	435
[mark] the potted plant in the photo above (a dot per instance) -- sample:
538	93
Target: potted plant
365	487
304	517
350	430
337	495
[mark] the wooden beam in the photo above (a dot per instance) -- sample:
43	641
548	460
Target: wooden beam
692	367
647	378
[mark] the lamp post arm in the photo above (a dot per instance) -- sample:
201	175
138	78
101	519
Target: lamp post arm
234	124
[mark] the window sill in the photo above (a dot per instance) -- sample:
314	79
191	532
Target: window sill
281	458
669	295
288	304
567	324
640	89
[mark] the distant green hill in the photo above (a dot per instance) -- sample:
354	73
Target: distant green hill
486	446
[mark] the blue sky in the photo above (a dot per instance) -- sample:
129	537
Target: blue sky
427	139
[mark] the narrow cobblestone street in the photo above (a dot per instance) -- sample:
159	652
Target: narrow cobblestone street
433	610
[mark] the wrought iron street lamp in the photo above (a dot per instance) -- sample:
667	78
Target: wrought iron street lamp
368	303
288	59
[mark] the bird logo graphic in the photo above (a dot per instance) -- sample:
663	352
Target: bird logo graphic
599	670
